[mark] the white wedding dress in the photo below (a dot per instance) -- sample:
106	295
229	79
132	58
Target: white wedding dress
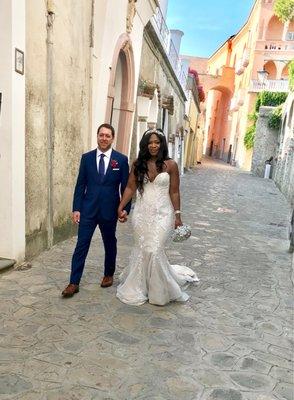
149	276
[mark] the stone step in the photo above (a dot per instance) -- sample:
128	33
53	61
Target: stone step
6	263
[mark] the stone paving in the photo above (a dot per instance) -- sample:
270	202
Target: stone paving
231	341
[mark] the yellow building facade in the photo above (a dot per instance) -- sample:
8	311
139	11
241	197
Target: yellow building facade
193	145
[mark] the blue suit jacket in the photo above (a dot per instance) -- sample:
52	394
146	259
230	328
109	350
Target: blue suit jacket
101	199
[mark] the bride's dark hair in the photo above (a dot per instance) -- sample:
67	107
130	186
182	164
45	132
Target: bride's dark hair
140	165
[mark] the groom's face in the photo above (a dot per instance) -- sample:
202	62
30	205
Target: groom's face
104	139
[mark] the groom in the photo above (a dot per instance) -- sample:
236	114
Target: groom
102	178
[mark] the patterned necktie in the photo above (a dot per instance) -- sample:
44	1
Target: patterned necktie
101	167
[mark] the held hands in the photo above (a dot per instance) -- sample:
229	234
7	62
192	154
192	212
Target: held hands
76	217
122	215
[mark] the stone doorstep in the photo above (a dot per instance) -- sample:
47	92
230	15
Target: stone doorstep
5	263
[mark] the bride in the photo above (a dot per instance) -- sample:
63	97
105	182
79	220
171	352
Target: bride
149	276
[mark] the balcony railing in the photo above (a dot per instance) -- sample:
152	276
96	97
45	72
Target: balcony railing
173	56
269	85
169	47
274	46
162	28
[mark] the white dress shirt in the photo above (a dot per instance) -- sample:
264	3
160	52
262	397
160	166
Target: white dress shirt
106	158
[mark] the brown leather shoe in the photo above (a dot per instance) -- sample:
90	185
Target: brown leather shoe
107	281
70	290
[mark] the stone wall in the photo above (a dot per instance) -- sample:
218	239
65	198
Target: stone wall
284	171
57	115
265	144
279	145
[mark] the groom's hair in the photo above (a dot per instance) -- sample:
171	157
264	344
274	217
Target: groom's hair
107	126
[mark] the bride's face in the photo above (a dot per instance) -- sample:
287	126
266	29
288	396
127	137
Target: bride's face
154	145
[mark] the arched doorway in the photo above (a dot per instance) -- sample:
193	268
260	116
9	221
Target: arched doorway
116	104
120	99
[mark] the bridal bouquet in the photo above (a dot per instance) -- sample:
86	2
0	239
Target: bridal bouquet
181	233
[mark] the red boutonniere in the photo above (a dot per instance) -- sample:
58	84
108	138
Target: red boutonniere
114	164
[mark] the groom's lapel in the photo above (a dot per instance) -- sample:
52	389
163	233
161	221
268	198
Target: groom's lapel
94	164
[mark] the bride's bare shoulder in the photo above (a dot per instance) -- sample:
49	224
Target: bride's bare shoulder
171	164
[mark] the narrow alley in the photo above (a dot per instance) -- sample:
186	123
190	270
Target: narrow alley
230	341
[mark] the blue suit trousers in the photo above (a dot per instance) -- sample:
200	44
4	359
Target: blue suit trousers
86	230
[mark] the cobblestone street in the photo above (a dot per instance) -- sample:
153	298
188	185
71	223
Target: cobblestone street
231	341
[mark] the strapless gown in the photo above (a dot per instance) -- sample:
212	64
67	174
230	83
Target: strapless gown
149	275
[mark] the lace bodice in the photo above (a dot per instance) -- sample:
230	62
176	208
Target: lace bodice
149	276
154	206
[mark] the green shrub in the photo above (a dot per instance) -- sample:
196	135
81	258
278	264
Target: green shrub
249	137
272	99
253	117
284	9
275	118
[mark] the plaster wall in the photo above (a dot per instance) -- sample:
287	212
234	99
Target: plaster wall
107	36
37	179
12	125
155	68
57	116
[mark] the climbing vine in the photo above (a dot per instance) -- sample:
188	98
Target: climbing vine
263	99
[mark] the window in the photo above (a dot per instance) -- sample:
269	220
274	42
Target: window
290	36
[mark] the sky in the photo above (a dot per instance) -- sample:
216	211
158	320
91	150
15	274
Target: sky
206	24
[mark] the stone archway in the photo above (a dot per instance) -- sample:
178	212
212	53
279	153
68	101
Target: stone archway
120	98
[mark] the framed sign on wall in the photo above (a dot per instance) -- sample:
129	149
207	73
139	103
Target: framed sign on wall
19	61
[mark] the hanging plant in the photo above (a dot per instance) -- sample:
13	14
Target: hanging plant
146	88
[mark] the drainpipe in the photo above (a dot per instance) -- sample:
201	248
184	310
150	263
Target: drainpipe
50	120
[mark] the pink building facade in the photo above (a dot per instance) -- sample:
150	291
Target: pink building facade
264	43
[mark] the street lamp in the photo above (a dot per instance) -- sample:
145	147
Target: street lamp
262	77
